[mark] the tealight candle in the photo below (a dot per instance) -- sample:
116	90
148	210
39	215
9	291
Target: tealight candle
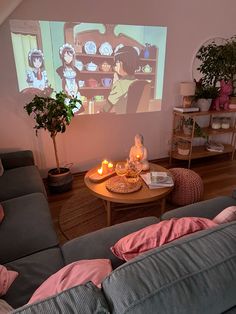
110	166
105	166
138	157
100	171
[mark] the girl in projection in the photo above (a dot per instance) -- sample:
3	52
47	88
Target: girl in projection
37	76
69	73
126	60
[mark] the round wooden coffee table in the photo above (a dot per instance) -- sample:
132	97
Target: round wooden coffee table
144	195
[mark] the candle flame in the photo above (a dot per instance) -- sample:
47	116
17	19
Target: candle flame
100	171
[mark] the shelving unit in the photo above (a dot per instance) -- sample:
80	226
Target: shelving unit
196	152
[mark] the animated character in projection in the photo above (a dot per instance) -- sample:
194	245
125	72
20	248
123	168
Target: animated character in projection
126	62
37	76
69	73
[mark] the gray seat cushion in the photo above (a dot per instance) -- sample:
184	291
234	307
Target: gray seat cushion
195	274
26	228
33	271
20	181
97	244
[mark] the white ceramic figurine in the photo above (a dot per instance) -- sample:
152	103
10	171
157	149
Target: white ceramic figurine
138	152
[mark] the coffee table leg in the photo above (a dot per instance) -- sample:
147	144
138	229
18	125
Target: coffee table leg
163	205
107	205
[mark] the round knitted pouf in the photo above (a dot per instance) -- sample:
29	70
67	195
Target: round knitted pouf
188	186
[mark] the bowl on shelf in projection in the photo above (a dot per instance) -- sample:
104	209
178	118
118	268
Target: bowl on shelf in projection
106	49
90	47
91	66
92	83
106	82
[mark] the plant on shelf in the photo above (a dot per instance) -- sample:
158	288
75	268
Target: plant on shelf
204	94
53	115
188	127
206	91
218	62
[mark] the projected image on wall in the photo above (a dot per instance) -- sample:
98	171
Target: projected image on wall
115	69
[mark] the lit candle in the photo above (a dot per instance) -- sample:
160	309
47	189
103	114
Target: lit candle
100	171
138	157
110	166
105	166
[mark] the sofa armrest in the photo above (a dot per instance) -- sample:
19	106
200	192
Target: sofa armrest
97	244
17	159
207	209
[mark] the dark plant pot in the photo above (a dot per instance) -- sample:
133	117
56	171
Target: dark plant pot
59	182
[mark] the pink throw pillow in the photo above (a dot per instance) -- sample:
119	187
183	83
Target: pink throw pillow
1	213
74	274
226	215
6	279
158	234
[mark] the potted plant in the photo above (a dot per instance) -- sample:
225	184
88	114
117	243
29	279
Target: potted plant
54	115
204	95
188	127
218	62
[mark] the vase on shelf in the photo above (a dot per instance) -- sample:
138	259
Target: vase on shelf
204	104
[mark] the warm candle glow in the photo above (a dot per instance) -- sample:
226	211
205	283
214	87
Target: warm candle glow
110	166
100	171
138	157
104	166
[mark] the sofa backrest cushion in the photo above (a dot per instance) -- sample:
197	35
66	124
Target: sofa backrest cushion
80	299
195	274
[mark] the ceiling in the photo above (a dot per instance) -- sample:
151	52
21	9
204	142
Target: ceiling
7	7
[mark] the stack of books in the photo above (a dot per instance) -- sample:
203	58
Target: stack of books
214	147
162	180
190	109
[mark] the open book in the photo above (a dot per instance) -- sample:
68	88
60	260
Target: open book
162	179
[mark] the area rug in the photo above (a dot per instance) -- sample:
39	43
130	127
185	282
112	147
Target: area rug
83	213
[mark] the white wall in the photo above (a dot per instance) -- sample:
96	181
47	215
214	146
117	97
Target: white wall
91	138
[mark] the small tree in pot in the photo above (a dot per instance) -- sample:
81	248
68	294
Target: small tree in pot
53	115
218	62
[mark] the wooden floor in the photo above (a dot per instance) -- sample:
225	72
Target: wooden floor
218	174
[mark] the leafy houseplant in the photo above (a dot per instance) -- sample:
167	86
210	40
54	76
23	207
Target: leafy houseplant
206	92
218	62
188	126
53	115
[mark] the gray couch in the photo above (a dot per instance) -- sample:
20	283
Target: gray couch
195	274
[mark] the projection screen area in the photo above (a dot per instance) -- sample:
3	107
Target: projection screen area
114	69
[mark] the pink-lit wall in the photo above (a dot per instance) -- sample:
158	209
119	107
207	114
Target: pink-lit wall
91	138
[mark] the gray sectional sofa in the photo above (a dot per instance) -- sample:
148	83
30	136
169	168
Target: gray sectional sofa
195	274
